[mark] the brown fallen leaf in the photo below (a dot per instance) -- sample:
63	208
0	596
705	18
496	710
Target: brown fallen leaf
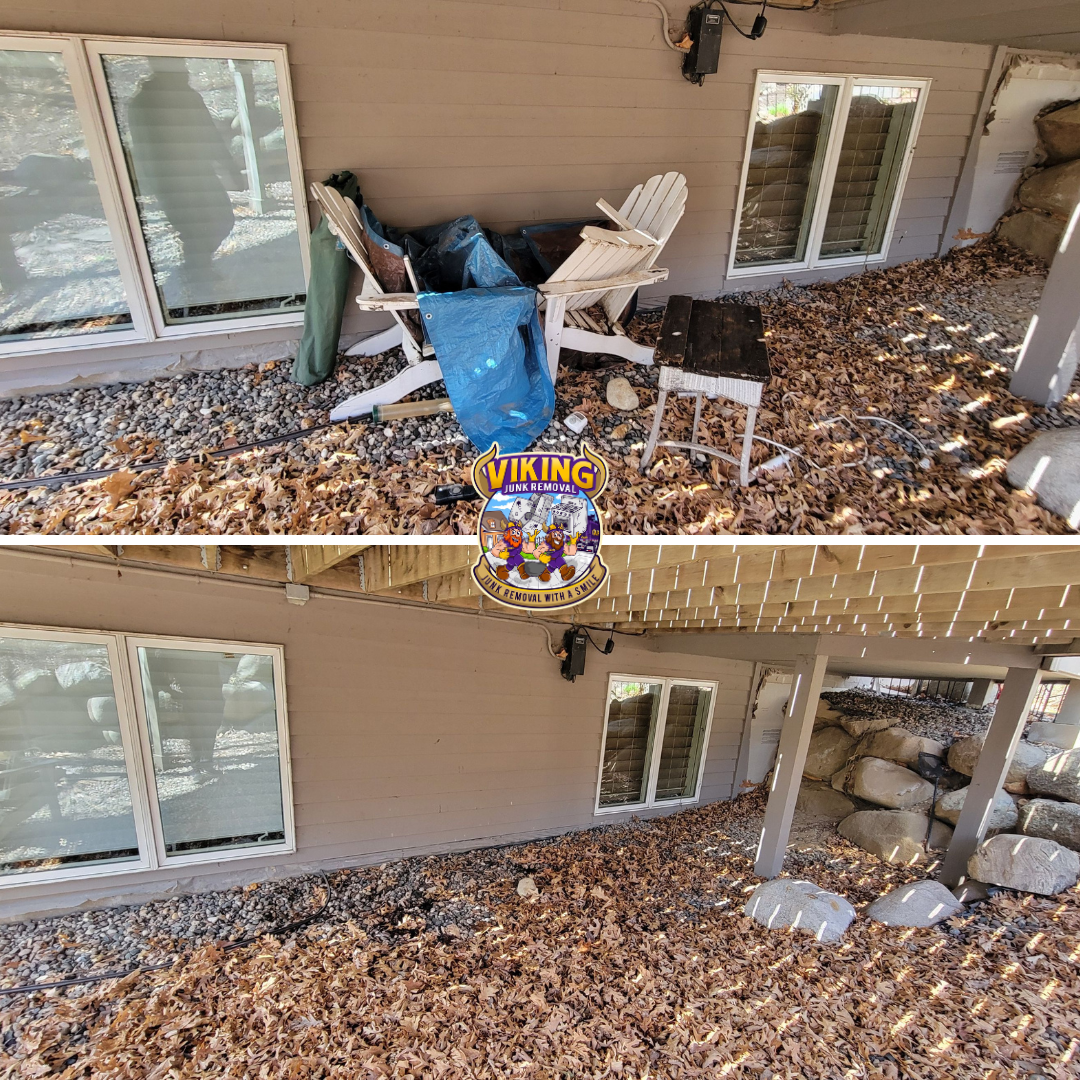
118	486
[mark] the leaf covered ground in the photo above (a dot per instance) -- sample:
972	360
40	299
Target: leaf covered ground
634	961
924	345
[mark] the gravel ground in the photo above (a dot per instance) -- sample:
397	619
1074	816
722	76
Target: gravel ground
108	939
450	895
935	719
932	357
76	430
680	879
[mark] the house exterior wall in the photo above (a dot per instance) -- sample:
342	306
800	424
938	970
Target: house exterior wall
530	110
411	731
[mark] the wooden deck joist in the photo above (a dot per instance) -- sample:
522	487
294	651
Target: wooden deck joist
1020	593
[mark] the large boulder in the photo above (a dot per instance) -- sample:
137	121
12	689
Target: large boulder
1058	775
830	749
1049	468
1002	816
819	802
899	745
1026	863
1052	820
920	903
964	756
897	836
1033	231
1062	736
1059	133
1055	190
827	715
972	891
884	783
800	905
858	728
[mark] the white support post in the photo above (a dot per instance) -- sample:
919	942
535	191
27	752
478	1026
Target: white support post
790	759
1002	737
983	692
1048	360
1069	713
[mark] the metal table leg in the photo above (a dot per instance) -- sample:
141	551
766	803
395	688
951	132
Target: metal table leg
747	445
698	459
650	446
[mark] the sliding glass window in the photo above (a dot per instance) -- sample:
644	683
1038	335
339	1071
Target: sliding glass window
147	190
211	717
655	735
59	273
120	754
825	166
67	762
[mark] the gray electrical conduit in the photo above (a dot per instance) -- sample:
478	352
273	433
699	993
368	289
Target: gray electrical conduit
63	479
66	479
667	32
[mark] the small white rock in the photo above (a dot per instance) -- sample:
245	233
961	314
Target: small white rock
621	395
527	887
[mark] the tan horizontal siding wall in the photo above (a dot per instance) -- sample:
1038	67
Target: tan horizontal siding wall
410	731
529	110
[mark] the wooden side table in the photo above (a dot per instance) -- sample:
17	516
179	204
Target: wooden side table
711	349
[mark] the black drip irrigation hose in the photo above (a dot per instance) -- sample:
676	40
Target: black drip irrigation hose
64	479
275	931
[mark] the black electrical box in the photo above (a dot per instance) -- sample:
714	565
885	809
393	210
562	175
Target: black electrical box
575	642
705	26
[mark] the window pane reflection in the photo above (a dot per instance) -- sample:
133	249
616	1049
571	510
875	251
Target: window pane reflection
875	142
631	717
791	134
64	795
214	741
204	142
684	733
58	270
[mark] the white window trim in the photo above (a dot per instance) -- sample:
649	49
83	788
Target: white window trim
138	756
831	159
656	739
82	57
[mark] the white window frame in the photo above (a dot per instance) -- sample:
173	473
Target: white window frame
138	756
656	740
82	55
830	161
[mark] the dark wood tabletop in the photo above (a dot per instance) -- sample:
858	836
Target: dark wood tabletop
714	338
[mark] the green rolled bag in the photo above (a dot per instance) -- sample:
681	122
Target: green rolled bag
328	284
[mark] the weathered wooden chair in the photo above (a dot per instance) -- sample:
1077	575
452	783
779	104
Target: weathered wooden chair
602	274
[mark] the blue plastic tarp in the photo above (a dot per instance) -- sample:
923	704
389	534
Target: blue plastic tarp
491	351
484	326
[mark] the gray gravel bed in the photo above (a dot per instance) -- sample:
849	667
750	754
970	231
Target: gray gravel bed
107	939
75	430
931	719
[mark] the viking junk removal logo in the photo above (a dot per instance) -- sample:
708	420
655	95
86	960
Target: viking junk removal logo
539	528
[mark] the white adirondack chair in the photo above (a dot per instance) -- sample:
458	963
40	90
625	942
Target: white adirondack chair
605	270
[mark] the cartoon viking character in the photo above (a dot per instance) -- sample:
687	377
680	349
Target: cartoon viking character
513	542
556	546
